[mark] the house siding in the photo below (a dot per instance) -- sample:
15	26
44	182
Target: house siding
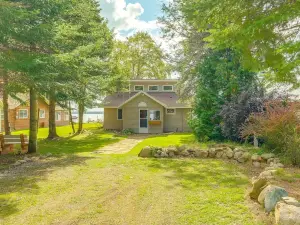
131	114
17	123
111	121
177	122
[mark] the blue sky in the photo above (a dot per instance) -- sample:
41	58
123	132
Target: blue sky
129	16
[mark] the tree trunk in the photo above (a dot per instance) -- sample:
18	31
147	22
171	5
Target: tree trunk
71	117
5	104
80	115
33	129
52	125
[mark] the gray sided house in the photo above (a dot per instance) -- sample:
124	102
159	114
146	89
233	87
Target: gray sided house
151	106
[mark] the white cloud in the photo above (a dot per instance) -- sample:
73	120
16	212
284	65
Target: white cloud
125	17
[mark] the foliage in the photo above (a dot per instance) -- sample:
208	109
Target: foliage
279	126
140	57
220	78
128	131
235	112
264	32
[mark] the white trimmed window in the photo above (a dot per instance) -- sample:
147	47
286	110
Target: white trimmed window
171	111
154	115
168	88
42	114
139	88
58	116
120	114
67	116
23	114
153	88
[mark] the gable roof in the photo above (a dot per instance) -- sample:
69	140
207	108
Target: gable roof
166	99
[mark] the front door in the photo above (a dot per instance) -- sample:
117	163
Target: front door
143	121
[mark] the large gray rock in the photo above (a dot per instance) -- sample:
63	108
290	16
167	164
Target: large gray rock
219	154
257	187
146	152
268	174
270	195
229	153
287	214
273	197
182	148
238	155
256	164
201	153
212	153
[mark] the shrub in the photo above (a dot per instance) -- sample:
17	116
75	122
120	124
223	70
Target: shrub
128	131
278	125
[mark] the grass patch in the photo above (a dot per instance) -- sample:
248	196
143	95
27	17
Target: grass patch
85	188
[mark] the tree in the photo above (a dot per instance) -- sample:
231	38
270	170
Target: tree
264	32
140	57
27	33
84	44
220	78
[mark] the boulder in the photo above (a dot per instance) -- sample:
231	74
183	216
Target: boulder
185	153
171	154
287	214
229	153
22	161
268	174
267	156
146	152
257	187
256	158
256	164
182	148
291	201
201	153
238	155
219	154
274	196
270	195
212	153
164	154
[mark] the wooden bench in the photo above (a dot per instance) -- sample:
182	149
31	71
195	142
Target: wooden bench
8	142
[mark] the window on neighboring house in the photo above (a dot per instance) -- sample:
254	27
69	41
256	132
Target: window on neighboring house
171	111
67	116
58	116
153	88
168	88
154	115
42	114
120	114
2	114
139	88
23	114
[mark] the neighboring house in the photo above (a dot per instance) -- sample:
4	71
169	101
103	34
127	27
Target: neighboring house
19	114
151	106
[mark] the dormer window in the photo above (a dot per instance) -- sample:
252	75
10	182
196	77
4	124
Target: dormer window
153	87
168	88
139	88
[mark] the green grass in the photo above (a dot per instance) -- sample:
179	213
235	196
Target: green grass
85	188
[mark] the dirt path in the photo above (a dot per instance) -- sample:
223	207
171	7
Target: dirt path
123	146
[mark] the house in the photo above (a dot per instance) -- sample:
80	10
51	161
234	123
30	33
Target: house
19	114
150	106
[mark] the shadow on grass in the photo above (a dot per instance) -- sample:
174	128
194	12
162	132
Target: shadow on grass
78	143
206	173
25	178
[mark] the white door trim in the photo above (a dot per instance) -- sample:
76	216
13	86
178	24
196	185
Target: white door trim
141	129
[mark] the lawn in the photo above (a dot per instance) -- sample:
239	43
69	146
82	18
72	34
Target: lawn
81	187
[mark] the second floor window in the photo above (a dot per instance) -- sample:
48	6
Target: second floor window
138	88
153	88
168	87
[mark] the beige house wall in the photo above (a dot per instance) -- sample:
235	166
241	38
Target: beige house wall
111	121
131	115
177	122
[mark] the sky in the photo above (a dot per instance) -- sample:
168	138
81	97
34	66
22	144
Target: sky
129	16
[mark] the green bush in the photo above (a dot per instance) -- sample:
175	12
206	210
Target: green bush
128	131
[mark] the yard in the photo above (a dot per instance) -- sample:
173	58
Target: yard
76	186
